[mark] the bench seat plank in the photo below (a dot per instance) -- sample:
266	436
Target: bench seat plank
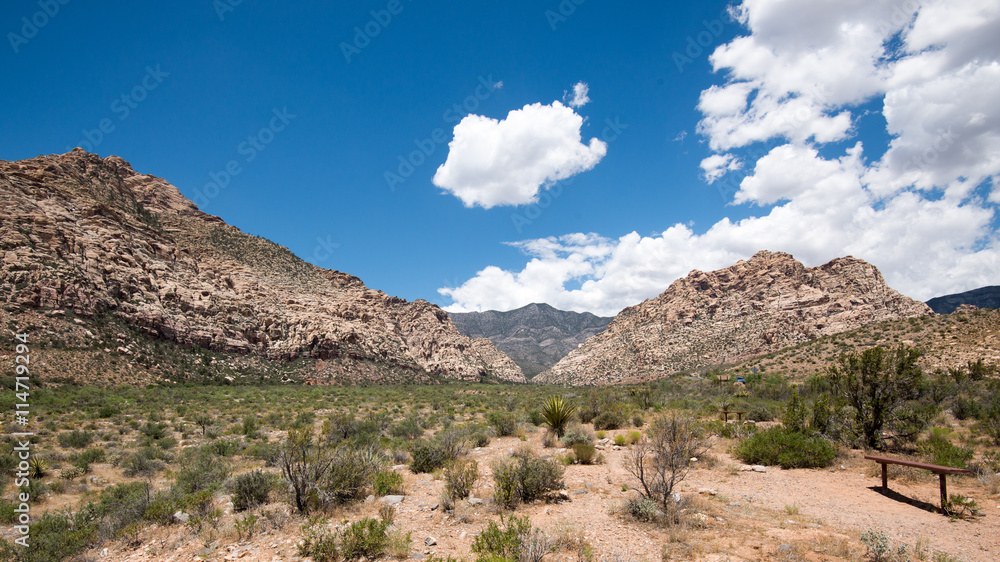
941	471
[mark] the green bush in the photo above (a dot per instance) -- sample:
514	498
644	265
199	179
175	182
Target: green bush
788	449
577	434
366	538
943	452
760	413
585	453
494	543
200	470
387	482
609	420
145	462
319	542
428	456
642	508
251	489
504	423
459	478
524	477
75	439
407	429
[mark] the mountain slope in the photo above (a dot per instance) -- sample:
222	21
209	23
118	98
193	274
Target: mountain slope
92	237
753	307
535	336
983	297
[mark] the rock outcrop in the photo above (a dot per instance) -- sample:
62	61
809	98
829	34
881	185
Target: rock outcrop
89	235
757	306
535	336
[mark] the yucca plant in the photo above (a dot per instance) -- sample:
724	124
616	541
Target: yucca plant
557	413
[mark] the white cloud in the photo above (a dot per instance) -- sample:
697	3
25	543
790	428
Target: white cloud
717	165
579	98
923	208
507	162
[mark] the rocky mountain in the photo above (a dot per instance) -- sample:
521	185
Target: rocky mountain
751	308
535	336
88	238
983	297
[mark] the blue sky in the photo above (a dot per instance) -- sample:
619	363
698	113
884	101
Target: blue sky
310	105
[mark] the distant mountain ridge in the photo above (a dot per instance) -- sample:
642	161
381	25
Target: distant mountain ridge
983	297
535	336
753	307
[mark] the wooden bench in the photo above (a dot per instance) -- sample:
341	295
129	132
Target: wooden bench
725	415
941	471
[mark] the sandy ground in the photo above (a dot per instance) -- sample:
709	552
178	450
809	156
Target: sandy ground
732	515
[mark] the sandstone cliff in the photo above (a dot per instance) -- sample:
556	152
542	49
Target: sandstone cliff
91	236
753	307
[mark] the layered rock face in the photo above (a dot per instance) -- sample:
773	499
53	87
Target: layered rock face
757	306
92	236
535	336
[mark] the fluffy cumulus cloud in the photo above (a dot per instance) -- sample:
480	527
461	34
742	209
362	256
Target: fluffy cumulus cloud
922	206
579	96
507	162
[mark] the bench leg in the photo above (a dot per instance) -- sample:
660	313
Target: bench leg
944	494
885	477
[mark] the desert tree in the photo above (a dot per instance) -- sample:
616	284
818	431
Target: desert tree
880	385
662	458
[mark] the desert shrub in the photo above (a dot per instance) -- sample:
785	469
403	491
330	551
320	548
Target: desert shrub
144	462
319	542
577	434
822	415
641	508
154	430
535	417
223	447
350	472
88	457
585	453
504	423
366	538
407	429
663	457
267	452
251	489
609	420
479	439
386	482
201	470
524	477
943	452
75	439
794	416
556	414
57	536
453	441
638	420
251	427
620	440
760	413
496	543
120	506
633	437
428	456
779	446
459	478
964	408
